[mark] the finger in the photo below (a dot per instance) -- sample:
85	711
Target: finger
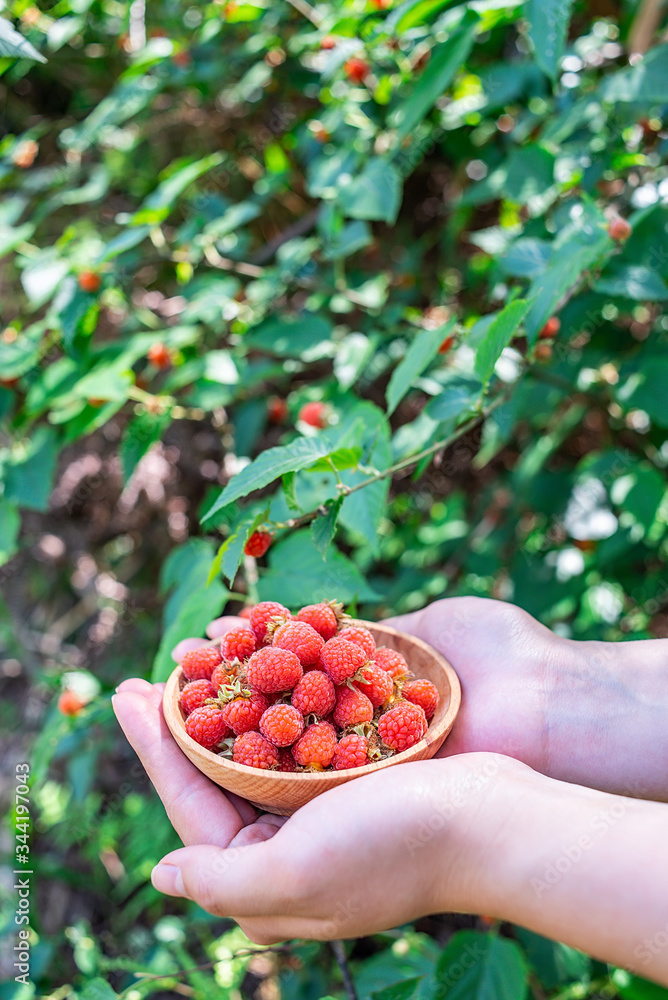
220	626
198	810
183	647
137	685
245	881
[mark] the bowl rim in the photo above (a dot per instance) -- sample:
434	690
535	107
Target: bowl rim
172	712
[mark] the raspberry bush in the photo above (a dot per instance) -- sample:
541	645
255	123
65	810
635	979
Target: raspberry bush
296	299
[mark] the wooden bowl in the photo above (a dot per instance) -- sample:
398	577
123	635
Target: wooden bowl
283	792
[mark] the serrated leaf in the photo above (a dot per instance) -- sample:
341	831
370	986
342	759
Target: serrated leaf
289	483
271	465
231	552
14	46
549	20
445	60
498	336
635	281
323	527
458	397
479	966
373	194
97	989
341	458
419	355
403	990
645	81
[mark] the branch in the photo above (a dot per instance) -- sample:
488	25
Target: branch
342	962
306	11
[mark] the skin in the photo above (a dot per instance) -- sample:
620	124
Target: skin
501	823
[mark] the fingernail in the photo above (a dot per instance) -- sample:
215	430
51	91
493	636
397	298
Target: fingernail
168	879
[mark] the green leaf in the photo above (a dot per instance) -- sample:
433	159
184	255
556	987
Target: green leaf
635	281
479	966
413	13
419	355
498	336
552	961
97	989
10	525
158	205
644	82
446	59
307	336
289	483
459	396
352	355
15	46
323	527
363	510
635	987
140	433
373	194
124	102
231	552
270	465
549	21
30	470
298	573
341	458
71	307
645	389
640	493
403	990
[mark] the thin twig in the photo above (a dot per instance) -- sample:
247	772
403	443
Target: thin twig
298	228
306	11
342	962
644	26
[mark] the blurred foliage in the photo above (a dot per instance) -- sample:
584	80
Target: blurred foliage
214	214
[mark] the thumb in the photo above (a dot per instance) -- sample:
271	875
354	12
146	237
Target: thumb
244	881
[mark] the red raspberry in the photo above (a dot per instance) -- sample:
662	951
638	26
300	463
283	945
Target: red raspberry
361	637
316	747
206	726
260	616
328	42
402	726
619	229
315	694
423	693
222	674
160	356
352	707
375	683
198	664
245	612
244	713
282	724
390	660
71	703
314	414
340	658
321	617
356	69
351	751
258	543
286	762
551	328
89	281
194	694
272	669
277	410
238	644
446	345
253	750
301	639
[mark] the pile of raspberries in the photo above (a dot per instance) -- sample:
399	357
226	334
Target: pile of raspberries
303	692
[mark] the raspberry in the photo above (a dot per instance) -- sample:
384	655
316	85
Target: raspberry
194	695
286	762
160	356
356	69
277	410
362	637
446	345
328	42
245	612
423	693
314	414
71	703
351	751
375	683
206	726
551	328
314	694
272	669
253	750
198	664
244	713
260	616
341	658
301	639
90	281
352	707
222	674
390	660
258	543
316	747
619	229
282	724
25	153
402	726
238	644
321	617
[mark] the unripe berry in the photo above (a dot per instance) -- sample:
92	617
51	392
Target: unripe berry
619	229
90	281
160	355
